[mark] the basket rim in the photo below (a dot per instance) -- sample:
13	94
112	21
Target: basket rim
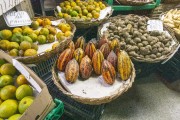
132	2
96	21
47	54
93	101
149	60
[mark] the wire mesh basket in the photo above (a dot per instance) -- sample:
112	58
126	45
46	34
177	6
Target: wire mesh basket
73	109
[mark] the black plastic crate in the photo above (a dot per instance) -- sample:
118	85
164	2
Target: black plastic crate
73	109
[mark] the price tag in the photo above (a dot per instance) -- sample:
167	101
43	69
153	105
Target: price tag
15	19
155	25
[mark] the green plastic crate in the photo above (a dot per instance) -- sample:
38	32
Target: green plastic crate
130	8
57	112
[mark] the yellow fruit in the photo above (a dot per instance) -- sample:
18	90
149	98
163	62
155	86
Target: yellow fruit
35	25
90	8
55	45
13	45
27	38
50	38
74	14
44	31
60	14
14	52
65	27
85	12
21	80
25	45
46	21
6	80
36	32
67	33
27	31
4	44
15	117
73	4
68	7
41	39
96	15
102	6
17	30
98	9
66	16
30	52
59	34
33	36
61	4
34	46
89	15
8	69
8	108
23	91
66	2
8	92
25	103
6	34
39	21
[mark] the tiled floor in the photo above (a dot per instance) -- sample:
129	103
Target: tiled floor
148	99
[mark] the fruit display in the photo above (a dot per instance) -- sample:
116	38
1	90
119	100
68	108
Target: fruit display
16	94
102	60
83	10
172	19
130	34
29	40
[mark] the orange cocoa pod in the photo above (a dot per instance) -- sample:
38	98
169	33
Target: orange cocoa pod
112	58
97	60
78	54
103	40
108	72
72	71
105	49
85	67
90	49
124	65
63	59
80	43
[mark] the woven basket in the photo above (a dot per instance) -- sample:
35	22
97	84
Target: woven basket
46	55
134	2
165	12
173	49
93	101
87	24
170	1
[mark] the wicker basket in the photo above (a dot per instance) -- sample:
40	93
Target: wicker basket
87	24
46	55
149	60
93	101
134	2
170	1
165	12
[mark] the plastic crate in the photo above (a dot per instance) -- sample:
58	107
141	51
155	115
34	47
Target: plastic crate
57	112
73	109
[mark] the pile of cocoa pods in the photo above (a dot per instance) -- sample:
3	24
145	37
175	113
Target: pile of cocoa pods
104	58
131	31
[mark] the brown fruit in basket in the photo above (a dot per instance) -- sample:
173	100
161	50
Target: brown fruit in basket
80	43
90	49
103	40
85	67
78	54
105	49
124	65
72	71
114	44
63	59
108	72
97	60
112	58
71	46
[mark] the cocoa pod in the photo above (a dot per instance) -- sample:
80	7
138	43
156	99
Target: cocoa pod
80	43
85	67
108	72
124	65
105	49
72	71
78	54
63	59
90	49
114	44
112	58
103	40
71	46
97	60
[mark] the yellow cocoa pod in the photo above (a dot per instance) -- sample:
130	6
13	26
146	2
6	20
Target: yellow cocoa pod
97	60
80	43
78	54
90	49
124	65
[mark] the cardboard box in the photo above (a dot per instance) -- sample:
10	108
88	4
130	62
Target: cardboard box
43	102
